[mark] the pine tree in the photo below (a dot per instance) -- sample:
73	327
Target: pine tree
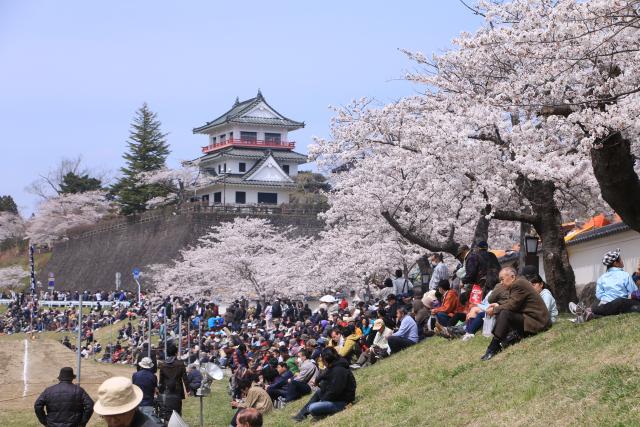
7	204
74	183
148	151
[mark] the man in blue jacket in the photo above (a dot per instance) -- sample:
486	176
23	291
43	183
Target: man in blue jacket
279	385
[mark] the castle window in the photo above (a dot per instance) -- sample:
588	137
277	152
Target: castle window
273	138
249	136
268	198
285	168
242	167
241	197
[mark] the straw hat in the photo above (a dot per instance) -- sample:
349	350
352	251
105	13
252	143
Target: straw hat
117	395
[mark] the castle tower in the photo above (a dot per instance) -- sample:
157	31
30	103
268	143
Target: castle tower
250	155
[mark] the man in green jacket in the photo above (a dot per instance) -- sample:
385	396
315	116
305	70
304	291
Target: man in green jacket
523	314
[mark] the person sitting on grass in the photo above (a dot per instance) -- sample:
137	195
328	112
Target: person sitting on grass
407	333
541	287
254	397
194	379
350	347
451	311
337	388
380	347
523	314
278	387
299	384
614	288
475	317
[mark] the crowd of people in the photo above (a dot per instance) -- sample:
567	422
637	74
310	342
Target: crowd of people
284	351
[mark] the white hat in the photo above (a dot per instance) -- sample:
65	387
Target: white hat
146	363
117	395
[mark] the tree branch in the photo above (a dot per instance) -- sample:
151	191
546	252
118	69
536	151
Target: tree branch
450	245
516	216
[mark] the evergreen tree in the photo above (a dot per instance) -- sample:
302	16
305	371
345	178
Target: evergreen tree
148	151
74	183
7	204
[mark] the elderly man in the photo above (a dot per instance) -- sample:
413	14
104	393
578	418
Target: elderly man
524	313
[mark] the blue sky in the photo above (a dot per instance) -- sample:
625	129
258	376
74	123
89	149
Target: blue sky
73	73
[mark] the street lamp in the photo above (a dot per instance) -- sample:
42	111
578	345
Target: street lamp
531	251
531	245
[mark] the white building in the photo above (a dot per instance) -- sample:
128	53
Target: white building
586	250
250	155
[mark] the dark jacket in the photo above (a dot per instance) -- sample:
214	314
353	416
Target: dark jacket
475	268
64	405
526	300
194	378
141	420
276	310
281	381
173	377
148	383
337	383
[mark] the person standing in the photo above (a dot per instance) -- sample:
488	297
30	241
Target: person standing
401	285
64	404
148	383
173	381
440	271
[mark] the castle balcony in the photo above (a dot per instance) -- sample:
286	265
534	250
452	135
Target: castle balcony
253	143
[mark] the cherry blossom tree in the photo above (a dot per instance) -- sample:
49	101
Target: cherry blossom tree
56	216
550	85
179	183
493	137
11	226
11	277
569	67
248	256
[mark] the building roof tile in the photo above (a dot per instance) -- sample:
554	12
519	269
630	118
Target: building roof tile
235	115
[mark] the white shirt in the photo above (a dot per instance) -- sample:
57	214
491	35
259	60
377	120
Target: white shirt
380	339
401	285
440	272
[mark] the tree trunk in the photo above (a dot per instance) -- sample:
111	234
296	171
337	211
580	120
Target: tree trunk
557	269
619	184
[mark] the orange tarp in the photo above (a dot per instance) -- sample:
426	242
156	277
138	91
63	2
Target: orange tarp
595	222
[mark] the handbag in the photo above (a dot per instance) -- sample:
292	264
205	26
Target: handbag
487	325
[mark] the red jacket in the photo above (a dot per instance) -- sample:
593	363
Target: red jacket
450	304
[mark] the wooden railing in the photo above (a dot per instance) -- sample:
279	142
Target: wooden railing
249	143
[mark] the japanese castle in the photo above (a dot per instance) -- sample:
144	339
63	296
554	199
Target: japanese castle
250	155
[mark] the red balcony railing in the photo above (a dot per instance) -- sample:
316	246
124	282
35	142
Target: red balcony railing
290	145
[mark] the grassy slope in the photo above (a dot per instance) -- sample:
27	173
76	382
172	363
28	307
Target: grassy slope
572	375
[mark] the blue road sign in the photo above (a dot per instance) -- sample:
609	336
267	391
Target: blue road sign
136	273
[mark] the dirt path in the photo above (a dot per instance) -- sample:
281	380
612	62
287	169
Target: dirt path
44	359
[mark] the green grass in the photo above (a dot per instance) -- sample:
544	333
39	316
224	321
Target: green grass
572	375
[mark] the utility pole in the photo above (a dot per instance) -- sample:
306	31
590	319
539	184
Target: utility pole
79	355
